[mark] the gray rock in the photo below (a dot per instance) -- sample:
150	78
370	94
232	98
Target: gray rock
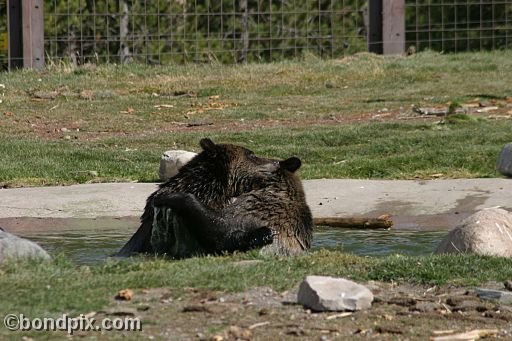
504	297
323	293
504	164
16	248
487	232
172	161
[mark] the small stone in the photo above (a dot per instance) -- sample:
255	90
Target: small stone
504	297
125	294
172	161
504	164
324	293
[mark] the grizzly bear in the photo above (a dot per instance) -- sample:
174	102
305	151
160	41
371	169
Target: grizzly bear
275	215
215	176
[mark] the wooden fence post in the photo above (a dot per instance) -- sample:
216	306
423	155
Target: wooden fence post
14	34
386	33
33	33
393	26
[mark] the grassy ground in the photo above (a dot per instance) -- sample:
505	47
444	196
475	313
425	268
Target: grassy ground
345	118
58	287
379	150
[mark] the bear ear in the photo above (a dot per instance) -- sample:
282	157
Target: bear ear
291	164
207	144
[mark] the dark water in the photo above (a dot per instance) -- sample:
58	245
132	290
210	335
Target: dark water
88	241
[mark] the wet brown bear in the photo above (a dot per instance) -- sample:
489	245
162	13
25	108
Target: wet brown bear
275	215
215	176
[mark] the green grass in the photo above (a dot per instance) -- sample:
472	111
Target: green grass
276	109
288	90
378	150
58	286
309	109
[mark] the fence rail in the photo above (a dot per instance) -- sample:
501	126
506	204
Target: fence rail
233	31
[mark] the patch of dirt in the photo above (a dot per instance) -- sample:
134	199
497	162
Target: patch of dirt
399	312
50	129
53	129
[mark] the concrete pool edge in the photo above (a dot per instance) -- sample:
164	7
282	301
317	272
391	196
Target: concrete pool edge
410	201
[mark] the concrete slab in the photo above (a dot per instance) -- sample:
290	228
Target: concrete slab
77	201
413	204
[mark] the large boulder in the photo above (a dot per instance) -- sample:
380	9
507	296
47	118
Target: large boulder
16	248
172	161
504	164
487	232
324	293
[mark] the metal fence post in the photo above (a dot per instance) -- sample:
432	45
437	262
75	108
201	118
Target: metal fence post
33	33
14	34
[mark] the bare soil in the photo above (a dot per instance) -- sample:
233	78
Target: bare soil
399	312
48	129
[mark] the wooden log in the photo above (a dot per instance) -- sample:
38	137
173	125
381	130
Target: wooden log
382	222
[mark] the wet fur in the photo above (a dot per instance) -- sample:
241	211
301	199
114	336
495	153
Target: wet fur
274	216
215	176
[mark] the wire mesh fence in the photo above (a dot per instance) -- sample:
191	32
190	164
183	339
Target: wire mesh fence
233	31
456	25
227	31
